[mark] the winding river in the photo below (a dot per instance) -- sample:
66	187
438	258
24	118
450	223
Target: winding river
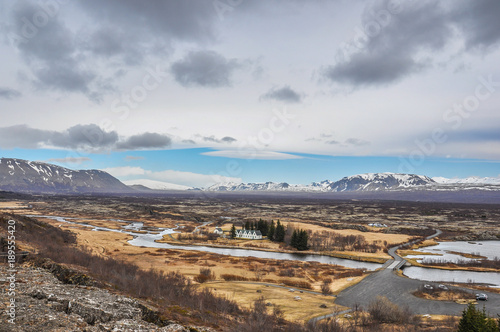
149	239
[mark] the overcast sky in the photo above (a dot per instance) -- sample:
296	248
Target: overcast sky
253	90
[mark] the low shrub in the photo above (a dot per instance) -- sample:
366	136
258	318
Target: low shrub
233	277
296	283
287	273
205	275
384	311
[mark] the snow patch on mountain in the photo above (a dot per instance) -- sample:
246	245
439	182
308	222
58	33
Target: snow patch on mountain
360	182
267	186
379	181
468	180
30	176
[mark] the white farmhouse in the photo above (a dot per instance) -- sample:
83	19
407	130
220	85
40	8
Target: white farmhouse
249	234
218	231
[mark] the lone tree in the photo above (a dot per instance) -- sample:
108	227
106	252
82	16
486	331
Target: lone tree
294	240
233	231
475	320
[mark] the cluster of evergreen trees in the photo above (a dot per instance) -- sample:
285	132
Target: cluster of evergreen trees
299	239
276	232
474	320
260	225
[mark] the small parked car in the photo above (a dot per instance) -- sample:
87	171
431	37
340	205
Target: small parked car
427	286
481	297
443	287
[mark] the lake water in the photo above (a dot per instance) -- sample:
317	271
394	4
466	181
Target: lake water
489	249
436	275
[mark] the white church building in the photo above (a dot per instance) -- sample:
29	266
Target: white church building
248	234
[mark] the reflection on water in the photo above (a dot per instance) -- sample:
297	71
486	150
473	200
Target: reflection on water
422	273
488	249
147	240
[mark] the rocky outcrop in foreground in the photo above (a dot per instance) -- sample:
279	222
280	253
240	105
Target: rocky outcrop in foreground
44	303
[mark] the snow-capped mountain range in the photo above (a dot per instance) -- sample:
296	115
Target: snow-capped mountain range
26	176
469	180
29	176
360	182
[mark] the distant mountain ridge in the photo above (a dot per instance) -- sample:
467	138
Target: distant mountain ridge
468	180
19	175
379	181
37	177
369	182
360	182
267	186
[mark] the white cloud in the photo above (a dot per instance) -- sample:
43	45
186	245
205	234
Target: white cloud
191	179
124	171
91	44
128	173
246	154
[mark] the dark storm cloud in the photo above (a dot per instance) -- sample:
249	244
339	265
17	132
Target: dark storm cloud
479	22
50	51
204	69
76	137
374	69
111	43
145	141
228	139
22	136
79	137
106	42
225	139
386	50
120	33
284	94
389	43
84	136
165	19
131	31
7	93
